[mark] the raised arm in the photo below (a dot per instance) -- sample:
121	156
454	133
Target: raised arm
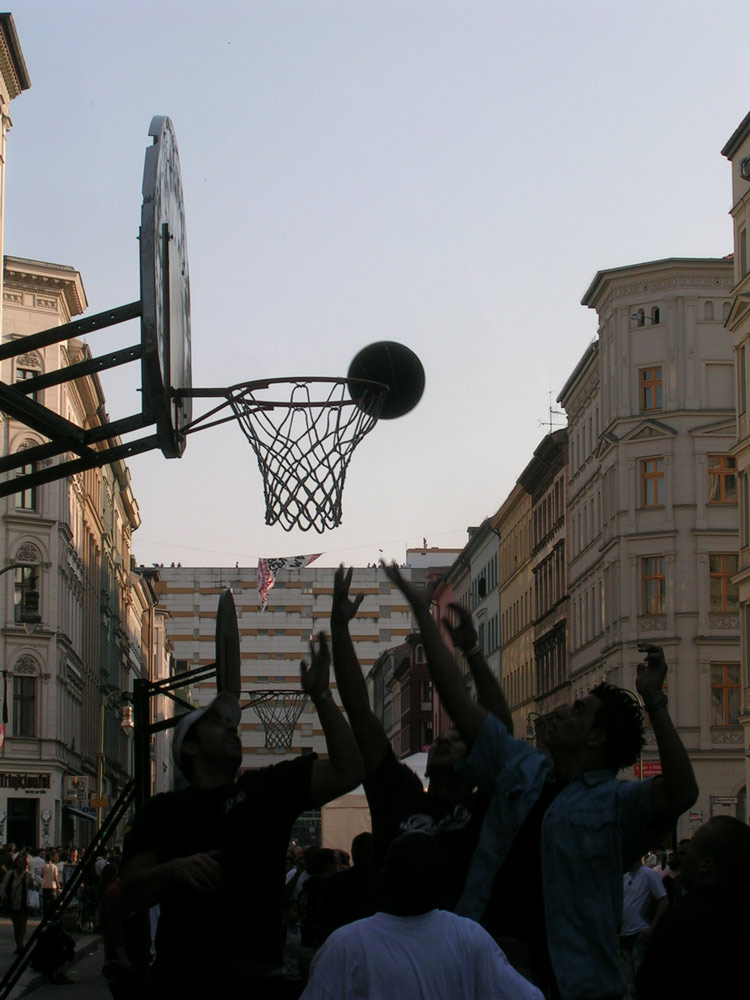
344	769
466	714
464	637
368	730
676	789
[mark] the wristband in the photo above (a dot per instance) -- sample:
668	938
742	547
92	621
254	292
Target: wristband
476	648
661	703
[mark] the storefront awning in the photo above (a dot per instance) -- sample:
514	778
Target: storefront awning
80	813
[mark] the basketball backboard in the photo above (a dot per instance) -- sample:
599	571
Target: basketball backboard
165	292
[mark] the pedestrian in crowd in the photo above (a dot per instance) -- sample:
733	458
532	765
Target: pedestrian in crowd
321	866
50	883
16	885
185	848
36	862
348	895
101	861
451	809
70	865
565	822
671	880
291	944
696	950
7	854
644	902
411	948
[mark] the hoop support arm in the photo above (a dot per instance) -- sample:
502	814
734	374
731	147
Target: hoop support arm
69	331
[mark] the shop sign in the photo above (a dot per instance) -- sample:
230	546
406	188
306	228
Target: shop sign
26	782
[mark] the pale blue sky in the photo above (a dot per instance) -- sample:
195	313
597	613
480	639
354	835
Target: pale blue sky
447	174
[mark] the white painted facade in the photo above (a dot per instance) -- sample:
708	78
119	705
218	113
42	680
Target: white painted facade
651	427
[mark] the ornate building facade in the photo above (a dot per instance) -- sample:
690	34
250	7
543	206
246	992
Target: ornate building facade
652	507
737	151
71	541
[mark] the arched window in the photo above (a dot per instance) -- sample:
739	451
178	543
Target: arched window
28	366
25	577
655	315
420	654
708	311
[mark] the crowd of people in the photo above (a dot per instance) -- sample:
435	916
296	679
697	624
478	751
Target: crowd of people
519	872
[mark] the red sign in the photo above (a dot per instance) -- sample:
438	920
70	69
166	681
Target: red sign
650	769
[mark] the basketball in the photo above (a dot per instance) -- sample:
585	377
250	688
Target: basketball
395	365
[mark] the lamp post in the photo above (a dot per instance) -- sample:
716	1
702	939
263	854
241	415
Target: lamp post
126	724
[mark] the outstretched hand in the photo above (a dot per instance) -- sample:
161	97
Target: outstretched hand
462	633
651	673
419	598
343	608
315	678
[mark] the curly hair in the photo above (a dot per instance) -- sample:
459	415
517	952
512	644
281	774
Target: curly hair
620	718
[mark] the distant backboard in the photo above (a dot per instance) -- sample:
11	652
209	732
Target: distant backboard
165	292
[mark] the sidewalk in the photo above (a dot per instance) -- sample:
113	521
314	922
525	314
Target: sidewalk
30	979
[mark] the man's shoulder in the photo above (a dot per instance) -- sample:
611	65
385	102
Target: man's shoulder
296	768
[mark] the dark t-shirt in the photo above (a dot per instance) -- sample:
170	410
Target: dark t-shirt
232	937
399	803
696	950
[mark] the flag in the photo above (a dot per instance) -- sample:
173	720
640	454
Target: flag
268	568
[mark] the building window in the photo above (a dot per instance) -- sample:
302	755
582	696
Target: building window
652	482
723	592
26	498
725	694
24	703
24	576
426	693
722	479
419	656
22	374
653	585
651	389
655	315
742	378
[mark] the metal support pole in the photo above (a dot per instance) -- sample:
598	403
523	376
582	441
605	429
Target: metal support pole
142	746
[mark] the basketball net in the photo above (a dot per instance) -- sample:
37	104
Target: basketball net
279	711
304	445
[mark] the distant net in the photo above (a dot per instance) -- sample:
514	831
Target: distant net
304	444
279	711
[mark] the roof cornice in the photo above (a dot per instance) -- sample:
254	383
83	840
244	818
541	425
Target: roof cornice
653	270
12	64
38	275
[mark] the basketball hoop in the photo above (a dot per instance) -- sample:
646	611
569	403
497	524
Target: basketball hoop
279	712
304	444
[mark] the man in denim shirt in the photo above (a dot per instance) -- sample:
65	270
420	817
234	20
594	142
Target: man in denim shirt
590	825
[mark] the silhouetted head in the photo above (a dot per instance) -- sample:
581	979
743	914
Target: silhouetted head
718	854
362	849
411	880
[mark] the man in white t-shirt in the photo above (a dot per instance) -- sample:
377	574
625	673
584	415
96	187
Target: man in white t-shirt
410	948
644	901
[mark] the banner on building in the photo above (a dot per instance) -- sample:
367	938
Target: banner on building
268	568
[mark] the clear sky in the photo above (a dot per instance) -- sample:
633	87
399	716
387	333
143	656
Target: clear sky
446	174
